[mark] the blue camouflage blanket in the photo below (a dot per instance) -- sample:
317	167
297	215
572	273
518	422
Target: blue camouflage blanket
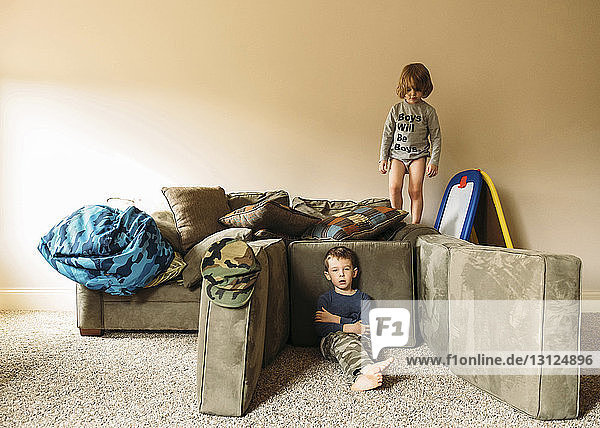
107	249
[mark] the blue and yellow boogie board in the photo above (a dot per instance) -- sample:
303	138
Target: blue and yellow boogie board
459	204
471	203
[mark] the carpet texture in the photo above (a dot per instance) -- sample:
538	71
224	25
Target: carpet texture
51	376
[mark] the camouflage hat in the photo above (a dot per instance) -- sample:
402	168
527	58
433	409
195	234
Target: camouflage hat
229	269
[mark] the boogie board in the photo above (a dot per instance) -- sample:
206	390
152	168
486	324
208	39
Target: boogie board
471	203
459	204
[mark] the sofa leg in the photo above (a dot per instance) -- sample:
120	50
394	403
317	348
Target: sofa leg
91	331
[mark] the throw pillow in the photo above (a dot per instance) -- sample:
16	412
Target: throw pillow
324	208
271	216
196	211
173	270
241	199
166	225
359	223
266	234
192	274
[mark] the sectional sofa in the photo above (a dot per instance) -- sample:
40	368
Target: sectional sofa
413	264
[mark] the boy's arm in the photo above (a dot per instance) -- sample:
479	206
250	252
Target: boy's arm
323	327
435	136
388	136
323	315
358	327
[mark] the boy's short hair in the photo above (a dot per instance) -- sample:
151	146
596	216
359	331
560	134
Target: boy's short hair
415	75
340	253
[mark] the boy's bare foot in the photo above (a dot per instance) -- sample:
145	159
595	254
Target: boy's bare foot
371	377
365	382
377	367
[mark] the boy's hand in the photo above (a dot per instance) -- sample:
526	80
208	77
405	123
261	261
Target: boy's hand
358	327
432	170
324	316
383	166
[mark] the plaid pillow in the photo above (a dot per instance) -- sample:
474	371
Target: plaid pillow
359	223
270	215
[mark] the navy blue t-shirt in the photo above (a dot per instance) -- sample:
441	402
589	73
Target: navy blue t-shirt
347	307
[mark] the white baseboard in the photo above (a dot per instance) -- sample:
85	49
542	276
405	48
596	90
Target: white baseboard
38	299
590	301
63	299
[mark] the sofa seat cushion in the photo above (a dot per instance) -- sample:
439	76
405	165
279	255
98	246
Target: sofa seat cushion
271	216
172	291
196	211
358	223
277	329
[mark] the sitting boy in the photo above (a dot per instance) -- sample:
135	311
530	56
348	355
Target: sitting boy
338	322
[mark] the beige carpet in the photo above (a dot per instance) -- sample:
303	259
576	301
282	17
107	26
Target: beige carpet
51	376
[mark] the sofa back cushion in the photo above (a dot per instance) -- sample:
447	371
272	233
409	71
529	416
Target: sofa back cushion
385	273
324	208
196	211
166	225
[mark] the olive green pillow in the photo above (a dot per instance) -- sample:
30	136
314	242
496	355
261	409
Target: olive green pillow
271	216
324	208
238	200
196	211
166	225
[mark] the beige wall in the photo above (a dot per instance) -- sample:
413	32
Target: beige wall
104	98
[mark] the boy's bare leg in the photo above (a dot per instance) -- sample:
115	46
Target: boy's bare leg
396	177
416	174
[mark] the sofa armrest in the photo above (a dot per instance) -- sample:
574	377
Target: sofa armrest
547	285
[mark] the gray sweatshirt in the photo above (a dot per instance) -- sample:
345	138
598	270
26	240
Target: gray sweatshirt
406	132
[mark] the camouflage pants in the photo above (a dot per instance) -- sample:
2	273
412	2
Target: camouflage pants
348	351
